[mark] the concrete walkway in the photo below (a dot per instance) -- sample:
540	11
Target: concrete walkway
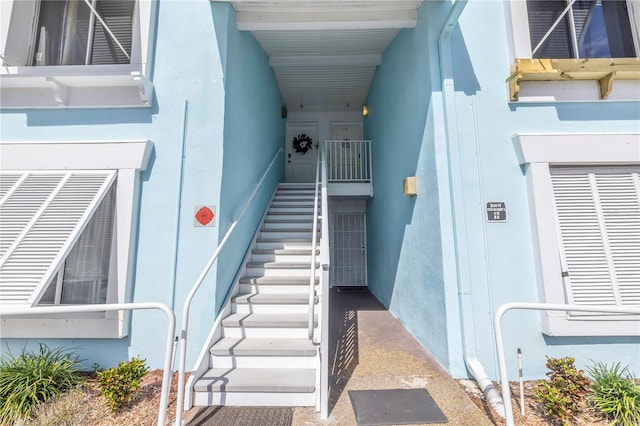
371	350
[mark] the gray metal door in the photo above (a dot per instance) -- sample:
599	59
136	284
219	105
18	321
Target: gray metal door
348	250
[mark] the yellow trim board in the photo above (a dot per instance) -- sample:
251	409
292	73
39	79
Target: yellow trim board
603	70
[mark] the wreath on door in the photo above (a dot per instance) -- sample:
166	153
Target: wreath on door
302	143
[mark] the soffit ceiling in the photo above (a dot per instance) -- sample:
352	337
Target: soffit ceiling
325	53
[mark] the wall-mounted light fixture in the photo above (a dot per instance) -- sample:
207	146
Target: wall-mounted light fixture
365	110
410	186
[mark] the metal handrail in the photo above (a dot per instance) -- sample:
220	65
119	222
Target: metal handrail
497	323
314	241
196	286
171	329
325	260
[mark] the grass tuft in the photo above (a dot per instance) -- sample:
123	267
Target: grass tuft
615	393
31	378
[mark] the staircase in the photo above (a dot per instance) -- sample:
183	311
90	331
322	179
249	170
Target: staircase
265	357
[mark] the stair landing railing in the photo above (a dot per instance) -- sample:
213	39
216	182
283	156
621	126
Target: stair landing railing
196	286
348	161
323	316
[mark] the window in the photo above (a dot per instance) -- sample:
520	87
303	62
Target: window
598	219
71	32
90	53
84	277
67	233
562	50
585	200
580	29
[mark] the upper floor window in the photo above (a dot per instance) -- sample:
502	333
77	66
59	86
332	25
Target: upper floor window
70	32
75	53
580	29
563	50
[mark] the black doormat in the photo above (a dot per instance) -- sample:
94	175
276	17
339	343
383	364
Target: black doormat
354	289
243	416
395	407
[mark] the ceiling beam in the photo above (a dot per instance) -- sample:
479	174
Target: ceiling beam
328	20
326	61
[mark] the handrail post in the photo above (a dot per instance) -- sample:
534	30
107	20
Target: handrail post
171	329
196	286
497	324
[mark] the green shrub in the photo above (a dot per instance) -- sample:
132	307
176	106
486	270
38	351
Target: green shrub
118	385
615	394
33	377
562	397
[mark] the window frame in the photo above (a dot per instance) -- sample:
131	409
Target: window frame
83	86
521	47
567	80
129	159
539	152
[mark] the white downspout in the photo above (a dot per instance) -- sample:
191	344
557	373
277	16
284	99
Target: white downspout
459	227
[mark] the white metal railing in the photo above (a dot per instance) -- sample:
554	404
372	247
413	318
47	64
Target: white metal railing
314	242
196	286
324	289
171	329
497	323
349	161
323	216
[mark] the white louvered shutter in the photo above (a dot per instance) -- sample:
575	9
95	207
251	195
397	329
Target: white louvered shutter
542	14
598	220
118	15
41	217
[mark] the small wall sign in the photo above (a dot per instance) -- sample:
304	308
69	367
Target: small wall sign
496	211
204	216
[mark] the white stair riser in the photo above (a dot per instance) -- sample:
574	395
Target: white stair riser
293	210
266	332
284	308
286	245
219	361
255	399
287	217
275	288
280	235
270	272
293	202
286	225
300	199
286	258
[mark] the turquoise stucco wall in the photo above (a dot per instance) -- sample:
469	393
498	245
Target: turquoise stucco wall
420	248
217	140
253	135
501	254
405	254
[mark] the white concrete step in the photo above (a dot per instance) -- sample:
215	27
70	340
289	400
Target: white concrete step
262	303
286	234
267	325
278	285
256	386
279	269
287	217
303	203
297	209
285	244
263	353
291	256
305	198
306	224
